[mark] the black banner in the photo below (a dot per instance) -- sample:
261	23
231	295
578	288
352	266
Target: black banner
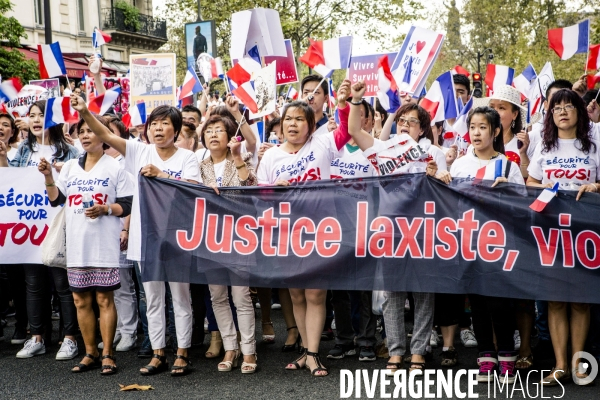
401	233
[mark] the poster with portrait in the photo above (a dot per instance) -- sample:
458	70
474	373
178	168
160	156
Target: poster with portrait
152	80
265	90
200	37
51	85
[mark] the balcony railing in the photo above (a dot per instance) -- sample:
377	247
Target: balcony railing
149	26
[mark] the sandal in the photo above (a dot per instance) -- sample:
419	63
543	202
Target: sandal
268	339
291	347
394	365
524	362
416	366
108	369
555	376
296	363
449	357
152	370
251	366
87	367
319	367
180	370
229	365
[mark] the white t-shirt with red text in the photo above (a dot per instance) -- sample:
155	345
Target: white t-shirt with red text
567	164
181	165
468	166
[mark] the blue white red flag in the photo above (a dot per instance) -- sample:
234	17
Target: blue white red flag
9	89
100	38
101	104
524	82
440	100
191	84
328	55
58	111
292	93
51	61
497	75
568	41
388	89
246	95
544	198
136	115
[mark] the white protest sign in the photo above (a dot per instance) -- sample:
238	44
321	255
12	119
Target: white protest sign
399	155
257	27
265	90
539	87
25	215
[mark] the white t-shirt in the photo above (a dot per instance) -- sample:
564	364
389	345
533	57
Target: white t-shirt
468	165
403	155
352	164
39	151
310	163
93	243
219	169
511	151
181	165
535	136
11	153
567	165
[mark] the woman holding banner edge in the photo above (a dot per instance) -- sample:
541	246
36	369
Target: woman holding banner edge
298	125
163	124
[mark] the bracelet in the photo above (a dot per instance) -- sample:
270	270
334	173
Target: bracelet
355	104
50	184
240	166
242	121
125	230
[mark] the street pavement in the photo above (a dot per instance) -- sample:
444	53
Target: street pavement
42	377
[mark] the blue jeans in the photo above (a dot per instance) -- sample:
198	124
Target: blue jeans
541	320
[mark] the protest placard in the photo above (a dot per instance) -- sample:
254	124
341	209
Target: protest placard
152	80
365	68
287	71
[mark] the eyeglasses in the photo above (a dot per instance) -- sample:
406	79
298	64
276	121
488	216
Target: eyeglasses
559	110
410	121
217	132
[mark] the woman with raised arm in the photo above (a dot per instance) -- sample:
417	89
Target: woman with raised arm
315	154
566	135
160	159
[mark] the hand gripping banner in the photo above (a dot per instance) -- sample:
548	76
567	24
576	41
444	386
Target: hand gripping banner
400	233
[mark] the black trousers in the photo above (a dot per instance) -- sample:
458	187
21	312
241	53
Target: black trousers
37	287
16	291
367	324
448	308
493	314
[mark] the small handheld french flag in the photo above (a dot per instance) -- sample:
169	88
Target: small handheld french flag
191	84
524	82
9	89
51	61
247	96
440	100
100	38
593	61
388	90
216	68
59	111
101	104
332	93
460	71
239	74
497	75
328	55
544	198
136	115
292	93
568	41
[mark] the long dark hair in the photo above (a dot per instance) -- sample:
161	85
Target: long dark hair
518	126
56	136
493	118
424	119
309	114
550	137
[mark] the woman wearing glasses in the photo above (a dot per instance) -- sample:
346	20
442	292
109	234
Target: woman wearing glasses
566	135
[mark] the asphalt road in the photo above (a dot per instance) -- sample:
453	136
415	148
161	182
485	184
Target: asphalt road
42	377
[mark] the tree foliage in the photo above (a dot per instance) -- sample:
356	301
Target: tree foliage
12	62
300	19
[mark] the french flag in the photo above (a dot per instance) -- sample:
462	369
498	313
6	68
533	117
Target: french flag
9	89
460	129
328	55
191	84
51	61
100	38
4	110
246	94
388	90
101	104
491	171
497	75
292	93
59	111
136	115
593	61
524	82
459	70
332	93
440	100
239	74
592	80
568	41
216	68
544	198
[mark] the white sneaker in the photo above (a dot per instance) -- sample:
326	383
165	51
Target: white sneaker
517	339
126	343
116	340
275	306
434	340
467	337
68	350
333	324
205	325
32	348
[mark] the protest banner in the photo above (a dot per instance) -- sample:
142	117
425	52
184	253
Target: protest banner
365	68
152	80
423	47
25	215
28	95
200	37
287	71
420	235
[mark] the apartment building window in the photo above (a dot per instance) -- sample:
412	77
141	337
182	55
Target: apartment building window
80	16
38	6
